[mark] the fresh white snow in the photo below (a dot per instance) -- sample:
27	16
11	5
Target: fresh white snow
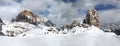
34	36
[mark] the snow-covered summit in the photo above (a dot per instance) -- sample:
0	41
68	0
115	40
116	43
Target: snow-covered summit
28	29
35	36
22	28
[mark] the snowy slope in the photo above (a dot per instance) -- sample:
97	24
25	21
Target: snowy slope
91	36
17	27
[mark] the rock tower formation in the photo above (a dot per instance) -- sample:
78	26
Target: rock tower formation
92	18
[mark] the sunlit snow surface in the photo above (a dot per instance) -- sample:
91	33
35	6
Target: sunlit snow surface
91	36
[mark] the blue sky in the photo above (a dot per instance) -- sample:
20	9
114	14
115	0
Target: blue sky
63	11
100	7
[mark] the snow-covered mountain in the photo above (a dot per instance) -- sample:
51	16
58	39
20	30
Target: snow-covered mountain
28	29
110	27
23	29
35	36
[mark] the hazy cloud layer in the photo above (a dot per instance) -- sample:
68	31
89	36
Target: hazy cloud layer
61	12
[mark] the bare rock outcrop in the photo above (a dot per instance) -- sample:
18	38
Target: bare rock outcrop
74	24
27	16
92	18
1	23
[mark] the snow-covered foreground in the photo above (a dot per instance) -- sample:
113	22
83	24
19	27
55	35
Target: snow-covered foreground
91	36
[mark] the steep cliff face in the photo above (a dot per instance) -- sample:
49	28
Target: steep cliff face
92	18
28	16
1	24
74	24
24	16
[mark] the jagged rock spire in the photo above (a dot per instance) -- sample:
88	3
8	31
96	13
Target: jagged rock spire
26	15
92	18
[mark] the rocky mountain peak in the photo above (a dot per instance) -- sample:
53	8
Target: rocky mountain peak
27	16
92	18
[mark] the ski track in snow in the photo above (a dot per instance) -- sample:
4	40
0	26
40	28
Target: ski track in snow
91	36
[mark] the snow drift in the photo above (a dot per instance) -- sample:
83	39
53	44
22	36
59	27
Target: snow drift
91	36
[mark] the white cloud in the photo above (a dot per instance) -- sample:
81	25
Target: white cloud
109	16
60	12
8	11
36	5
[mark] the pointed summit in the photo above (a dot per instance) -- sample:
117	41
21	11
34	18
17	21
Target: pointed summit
26	15
92	18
